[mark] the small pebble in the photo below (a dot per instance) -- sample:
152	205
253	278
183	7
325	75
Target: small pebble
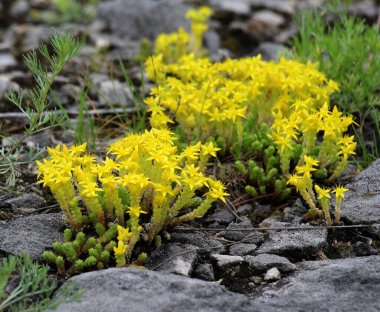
272	274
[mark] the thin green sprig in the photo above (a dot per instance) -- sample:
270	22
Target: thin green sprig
34	103
34	290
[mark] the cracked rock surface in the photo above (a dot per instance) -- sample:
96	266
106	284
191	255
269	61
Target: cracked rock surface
331	285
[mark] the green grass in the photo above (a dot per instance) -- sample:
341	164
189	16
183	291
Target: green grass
139	120
35	104
25	286
347	50
368	140
84	130
67	11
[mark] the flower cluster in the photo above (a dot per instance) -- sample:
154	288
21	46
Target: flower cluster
218	101
175	45
213	99
303	182
143	178
321	133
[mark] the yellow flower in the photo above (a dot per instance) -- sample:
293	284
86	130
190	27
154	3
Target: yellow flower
347	150
299	182
192	151
78	149
89	189
134	179
110	164
322	192
100	170
346	140
283	141
135	211
310	162
108	181
308	167
339	191
210	149
199	16
123	233
217	190
120	249
163	190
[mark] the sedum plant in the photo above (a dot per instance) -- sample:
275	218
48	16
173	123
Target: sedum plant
175	45
261	170
214	99
303	182
347	51
143	186
272	116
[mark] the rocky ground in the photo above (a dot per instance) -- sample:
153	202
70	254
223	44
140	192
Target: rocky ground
231	265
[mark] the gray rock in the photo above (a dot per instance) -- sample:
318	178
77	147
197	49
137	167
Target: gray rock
225	261
295	212
364	239
296	243
273	221
114	92
131	290
205	242
42	139
205	272
256	279
7	61
237	26
282	6
245	210
264	23
237	235
221	216
272	275
144	18
308	4
31	37
261	263
269	17
212	43
242	249
375	230
238	7
261	212
31	235
26	202
284	36
5	84
173	258
97	78
361	204
364	8
18	77
331	285
20	9
6	46
9	38
254	238
270	50
102	43
228	268
362	249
